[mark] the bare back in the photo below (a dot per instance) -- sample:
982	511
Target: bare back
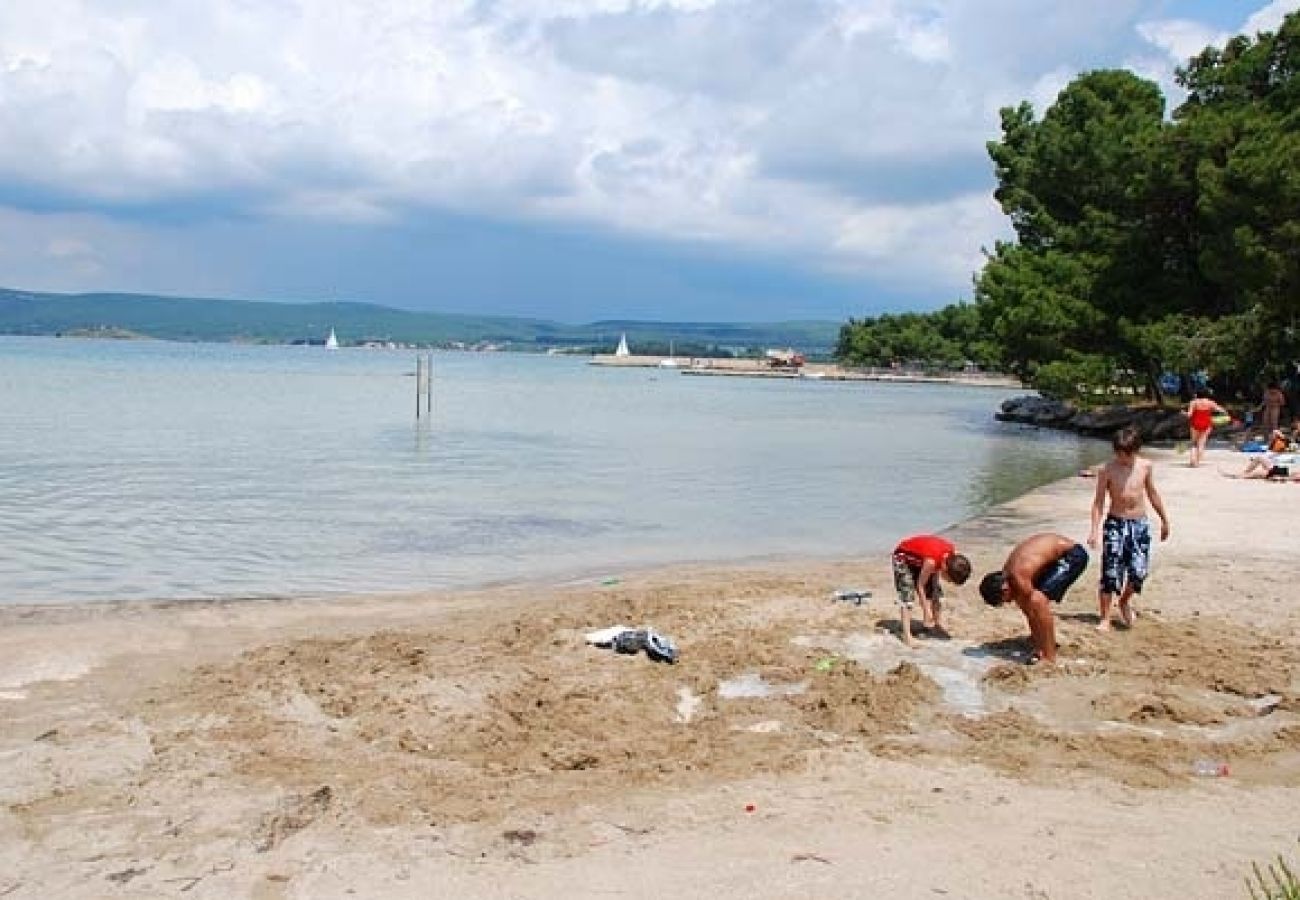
1125	484
1032	555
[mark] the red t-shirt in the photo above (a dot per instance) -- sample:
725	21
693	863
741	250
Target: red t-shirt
918	548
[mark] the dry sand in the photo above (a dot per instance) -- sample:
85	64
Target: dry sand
471	744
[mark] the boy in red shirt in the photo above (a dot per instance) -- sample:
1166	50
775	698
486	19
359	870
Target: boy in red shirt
919	562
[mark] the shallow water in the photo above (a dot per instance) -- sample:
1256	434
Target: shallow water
155	470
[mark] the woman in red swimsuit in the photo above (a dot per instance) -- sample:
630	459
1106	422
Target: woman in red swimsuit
1200	414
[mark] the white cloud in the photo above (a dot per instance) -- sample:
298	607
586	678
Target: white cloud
1179	38
1271	16
846	134
921	239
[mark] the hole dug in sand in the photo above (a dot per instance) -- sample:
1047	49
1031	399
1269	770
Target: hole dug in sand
491	722
1144	706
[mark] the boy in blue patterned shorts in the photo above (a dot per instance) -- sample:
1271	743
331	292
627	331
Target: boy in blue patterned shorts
1125	536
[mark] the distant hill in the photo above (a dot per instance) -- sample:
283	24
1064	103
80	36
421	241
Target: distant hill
201	319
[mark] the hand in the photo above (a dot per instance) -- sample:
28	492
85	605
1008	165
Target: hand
1093	540
1164	530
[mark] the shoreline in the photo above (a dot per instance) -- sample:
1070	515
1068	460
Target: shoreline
468	742
761	368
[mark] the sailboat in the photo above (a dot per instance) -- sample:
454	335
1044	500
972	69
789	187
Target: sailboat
622	347
332	342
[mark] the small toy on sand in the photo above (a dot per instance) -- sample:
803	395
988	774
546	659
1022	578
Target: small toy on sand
856	596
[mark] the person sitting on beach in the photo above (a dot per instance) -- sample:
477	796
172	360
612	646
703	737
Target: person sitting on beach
1275	466
919	562
1040	568
1200	415
1127	481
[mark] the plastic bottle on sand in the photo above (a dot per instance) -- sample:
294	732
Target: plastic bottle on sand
1210	768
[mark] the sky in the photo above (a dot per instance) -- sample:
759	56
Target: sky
574	160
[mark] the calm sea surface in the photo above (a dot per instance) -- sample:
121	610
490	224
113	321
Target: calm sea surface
133	470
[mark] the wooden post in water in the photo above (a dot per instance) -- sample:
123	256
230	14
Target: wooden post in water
419	383
424	384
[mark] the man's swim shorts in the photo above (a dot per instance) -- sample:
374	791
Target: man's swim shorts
1125	554
1057	578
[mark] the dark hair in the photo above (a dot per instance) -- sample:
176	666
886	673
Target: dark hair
1202	394
991	588
958	568
1127	440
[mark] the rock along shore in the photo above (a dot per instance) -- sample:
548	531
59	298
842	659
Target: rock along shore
1154	424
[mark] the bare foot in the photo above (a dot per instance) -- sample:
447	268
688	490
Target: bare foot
1103	625
1127	615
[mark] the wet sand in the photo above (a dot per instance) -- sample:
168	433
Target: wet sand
473	745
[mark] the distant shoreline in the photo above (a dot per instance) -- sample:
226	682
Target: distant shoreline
761	368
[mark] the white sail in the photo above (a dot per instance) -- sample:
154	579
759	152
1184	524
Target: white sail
622	347
332	342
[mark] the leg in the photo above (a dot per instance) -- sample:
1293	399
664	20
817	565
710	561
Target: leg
1256	467
1126	614
905	586
1198	447
905	619
1042	625
1137	562
1112	576
1106	598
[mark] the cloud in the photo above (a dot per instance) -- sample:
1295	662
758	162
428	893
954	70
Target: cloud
838	135
1270	17
1180	39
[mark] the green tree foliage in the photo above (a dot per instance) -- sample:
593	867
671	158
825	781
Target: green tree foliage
1142	244
948	338
1241	132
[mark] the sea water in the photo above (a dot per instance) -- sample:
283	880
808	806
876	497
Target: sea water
150	470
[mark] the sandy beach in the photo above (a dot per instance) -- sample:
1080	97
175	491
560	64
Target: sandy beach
472	744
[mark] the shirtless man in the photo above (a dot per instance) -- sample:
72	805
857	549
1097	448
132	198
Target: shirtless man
1040	568
1127	481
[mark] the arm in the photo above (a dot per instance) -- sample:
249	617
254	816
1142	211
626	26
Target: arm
923	578
1098	506
1156	503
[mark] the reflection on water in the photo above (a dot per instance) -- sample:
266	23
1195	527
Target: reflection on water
139	470
1021	464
